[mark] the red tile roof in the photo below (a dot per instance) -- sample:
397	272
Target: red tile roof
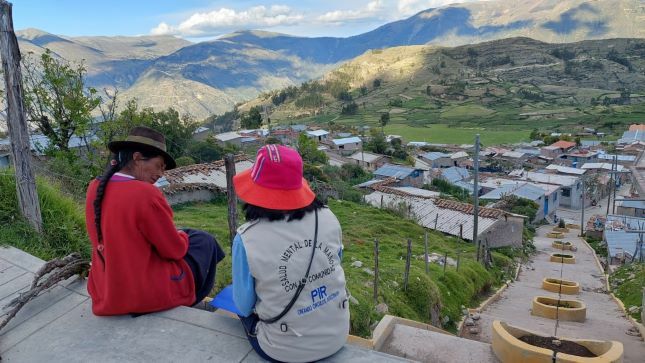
637	127
564	144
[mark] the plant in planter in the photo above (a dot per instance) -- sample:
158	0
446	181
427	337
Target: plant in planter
561	224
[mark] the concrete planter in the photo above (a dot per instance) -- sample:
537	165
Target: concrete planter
555	235
562	245
563	230
509	348
568	287
569	310
562	258
573	226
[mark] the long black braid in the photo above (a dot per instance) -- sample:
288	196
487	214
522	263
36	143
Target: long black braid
119	161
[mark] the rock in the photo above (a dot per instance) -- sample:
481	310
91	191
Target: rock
633	309
631	276
556	342
473	330
445	320
352	300
464	311
469	322
382	308
368	271
395	284
353	258
357	264
475	316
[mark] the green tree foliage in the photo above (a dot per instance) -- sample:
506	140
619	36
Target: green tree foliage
377	143
253	119
56	99
535	135
397	102
349	108
308	149
224	122
177	130
207	151
184	161
385	118
310	100
445	187
376	83
563	54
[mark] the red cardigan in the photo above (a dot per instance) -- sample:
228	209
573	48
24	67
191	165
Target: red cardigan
144	269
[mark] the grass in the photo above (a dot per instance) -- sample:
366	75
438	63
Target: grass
444	134
630	285
361	224
63	222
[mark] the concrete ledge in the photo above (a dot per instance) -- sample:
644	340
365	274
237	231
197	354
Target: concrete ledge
561	286
559	229
385	327
508	348
555	235
562	258
639	326
562	245
546	307
572	226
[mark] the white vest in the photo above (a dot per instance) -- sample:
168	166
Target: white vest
278	254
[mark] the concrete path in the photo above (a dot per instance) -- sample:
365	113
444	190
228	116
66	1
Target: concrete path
59	326
605	320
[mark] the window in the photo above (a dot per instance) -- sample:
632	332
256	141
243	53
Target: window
555	196
566	193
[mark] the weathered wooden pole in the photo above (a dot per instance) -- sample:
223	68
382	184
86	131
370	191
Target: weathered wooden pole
458	259
375	271
445	262
425	246
18	131
408	256
229	163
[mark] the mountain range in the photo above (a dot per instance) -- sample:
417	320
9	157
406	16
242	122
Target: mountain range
211	77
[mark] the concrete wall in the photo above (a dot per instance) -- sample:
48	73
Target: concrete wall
632	212
202	195
506	232
574	200
4	161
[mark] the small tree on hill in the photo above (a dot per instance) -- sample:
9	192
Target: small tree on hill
253	119
385	119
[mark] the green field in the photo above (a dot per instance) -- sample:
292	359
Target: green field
361	225
443	134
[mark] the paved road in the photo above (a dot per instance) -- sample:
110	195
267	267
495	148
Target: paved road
605	320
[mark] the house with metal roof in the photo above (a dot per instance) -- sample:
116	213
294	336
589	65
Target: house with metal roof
622	245
347	145
437	159
404	175
231	138
528	191
564	170
632	208
454	174
369	161
632	136
318	135
496	228
625	160
570	187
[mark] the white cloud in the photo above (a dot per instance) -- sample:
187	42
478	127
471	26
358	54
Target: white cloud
339	16
410	7
224	20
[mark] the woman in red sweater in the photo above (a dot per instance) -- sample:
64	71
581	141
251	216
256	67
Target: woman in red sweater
140	262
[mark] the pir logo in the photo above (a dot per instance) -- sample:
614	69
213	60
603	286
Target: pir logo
319	298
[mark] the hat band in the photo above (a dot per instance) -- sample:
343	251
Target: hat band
147	141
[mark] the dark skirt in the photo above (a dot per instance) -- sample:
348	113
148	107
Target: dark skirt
204	253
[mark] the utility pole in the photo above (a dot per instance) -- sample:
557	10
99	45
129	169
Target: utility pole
613	204
582	216
229	163
611	183
476	197
18	131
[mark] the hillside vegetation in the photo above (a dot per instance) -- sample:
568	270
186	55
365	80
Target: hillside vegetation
437	296
502	89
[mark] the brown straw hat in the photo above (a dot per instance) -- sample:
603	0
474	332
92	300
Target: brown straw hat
147	139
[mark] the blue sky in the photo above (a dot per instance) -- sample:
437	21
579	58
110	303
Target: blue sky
206	19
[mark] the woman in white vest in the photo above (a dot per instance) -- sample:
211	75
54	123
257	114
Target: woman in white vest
288	283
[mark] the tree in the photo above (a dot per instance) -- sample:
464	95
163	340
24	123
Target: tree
253	119
56	98
349	109
376	83
309	152
377	143
385	118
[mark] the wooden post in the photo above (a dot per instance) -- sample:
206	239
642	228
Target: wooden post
436	219
445	262
476	196
458	259
375	271
18	131
643	308
407	265
229	163
426	252
381	201
461	231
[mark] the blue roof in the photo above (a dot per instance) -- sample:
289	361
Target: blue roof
637	204
368	183
621	241
466	185
526	191
618	157
528	151
454	173
433	155
347	140
397	171
629	136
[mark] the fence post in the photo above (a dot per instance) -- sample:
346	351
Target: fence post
407	265
229	163
375	271
458	259
381	201
425	244
436	219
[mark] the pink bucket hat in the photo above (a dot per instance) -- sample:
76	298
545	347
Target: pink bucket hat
275	181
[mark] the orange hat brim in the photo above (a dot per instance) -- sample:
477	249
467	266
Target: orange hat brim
268	198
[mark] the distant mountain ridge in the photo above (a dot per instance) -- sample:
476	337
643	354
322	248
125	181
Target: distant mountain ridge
211	77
